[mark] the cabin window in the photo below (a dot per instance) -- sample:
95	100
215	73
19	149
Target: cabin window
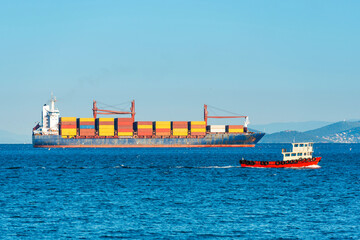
293	154
302	145
296	145
304	154
287	155
305	145
299	154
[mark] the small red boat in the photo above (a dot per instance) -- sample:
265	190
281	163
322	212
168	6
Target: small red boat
300	156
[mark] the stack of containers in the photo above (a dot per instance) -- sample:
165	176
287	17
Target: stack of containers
180	128
106	127
125	126
235	128
86	126
162	128
144	128
217	128
68	126
197	128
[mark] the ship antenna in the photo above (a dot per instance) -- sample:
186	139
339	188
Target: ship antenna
52	100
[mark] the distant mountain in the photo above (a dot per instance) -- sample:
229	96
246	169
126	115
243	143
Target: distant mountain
340	132
8	137
334	128
295	126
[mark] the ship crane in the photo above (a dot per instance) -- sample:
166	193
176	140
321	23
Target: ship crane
97	111
206	116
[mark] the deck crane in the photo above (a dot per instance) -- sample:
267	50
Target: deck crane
206	116
97	111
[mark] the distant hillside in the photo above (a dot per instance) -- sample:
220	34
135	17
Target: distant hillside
349	136
294	126
334	128
340	132
8	137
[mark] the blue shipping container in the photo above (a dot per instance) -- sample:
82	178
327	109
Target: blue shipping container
87	127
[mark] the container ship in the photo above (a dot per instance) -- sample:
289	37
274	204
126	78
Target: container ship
70	132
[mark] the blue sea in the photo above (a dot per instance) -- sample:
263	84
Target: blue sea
177	194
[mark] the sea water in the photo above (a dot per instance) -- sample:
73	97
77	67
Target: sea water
179	193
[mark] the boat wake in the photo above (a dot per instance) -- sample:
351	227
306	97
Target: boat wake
307	167
222	167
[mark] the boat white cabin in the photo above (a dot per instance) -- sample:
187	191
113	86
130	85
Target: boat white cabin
299	150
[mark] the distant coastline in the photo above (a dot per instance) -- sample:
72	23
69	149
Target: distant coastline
339	132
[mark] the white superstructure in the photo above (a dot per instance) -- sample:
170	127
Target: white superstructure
49	119
299	150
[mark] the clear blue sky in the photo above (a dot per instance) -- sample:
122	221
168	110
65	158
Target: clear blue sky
276	61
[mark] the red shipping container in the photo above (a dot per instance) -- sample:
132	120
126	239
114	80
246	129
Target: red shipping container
179	124
125	124
87	132
125	127
145	132
235	126
68	126
197	134
144	135
162	134
68	123
162	130
87	123
144	123
125	130
105	123
197	126
119	120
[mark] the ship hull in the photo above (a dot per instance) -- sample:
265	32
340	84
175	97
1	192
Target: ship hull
210	140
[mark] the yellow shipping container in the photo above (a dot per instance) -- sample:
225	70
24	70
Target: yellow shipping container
106	119
144	126
180	132
68	131
236	130
68	119
198	130
197	122
163	124
106	135
87	119
125	134
106	127
106	130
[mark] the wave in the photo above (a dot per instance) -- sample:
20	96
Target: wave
13	167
